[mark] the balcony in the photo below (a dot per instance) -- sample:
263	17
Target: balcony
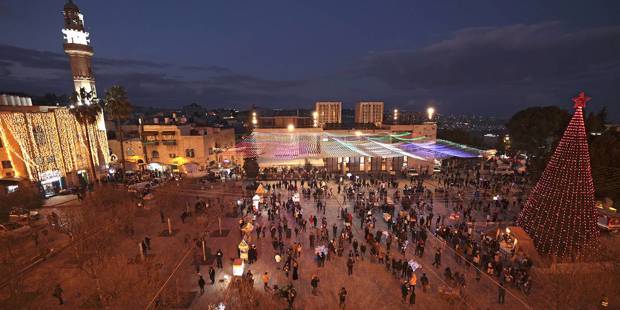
169	142
151	142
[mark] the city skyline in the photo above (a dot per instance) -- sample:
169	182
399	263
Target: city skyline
496	62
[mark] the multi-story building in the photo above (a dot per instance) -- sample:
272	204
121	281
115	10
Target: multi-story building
328	112
47	145
284	121
369	112
185	148
77	47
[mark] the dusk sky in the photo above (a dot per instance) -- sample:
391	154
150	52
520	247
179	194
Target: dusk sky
485	57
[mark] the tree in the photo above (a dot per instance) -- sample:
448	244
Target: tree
536	131
604	154
86	115
596	122
559	214
119	108
250	166
460	136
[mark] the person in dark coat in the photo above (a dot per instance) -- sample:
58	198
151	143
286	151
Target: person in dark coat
295	271
412	296
201	284
501	294
218	257
343	297
58	294
212	275
350	266
314	283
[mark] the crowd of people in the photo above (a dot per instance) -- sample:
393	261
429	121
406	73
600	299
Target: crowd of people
411	220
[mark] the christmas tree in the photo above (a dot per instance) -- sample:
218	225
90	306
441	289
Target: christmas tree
559	214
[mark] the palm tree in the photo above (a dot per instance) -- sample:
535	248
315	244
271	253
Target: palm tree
119	108
86	115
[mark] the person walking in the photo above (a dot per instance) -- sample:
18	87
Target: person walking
212	275
501	294
58	294
404	290
266	281
412	296
314	283
343	297
437	261
350	266
218	257
295	270
201	284
425	283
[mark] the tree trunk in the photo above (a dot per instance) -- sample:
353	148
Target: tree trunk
90	155
119	129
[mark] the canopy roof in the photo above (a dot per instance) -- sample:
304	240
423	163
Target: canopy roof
299	147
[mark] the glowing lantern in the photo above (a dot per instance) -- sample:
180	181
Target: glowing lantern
238	267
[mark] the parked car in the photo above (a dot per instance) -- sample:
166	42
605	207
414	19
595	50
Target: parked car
12	228
20	214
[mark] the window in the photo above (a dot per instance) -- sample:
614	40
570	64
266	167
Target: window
6	164
0	142
172	155
155	154
189	153
39	135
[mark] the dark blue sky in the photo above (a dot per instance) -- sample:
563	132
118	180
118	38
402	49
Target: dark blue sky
487	57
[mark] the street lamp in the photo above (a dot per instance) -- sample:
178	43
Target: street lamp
290	127
254	119
430	111
395	115
315	119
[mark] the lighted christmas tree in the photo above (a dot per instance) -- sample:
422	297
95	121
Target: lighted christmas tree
559	214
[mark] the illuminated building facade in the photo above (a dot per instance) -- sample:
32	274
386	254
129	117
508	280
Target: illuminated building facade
184	148
48	146
369	112
77	47
328	112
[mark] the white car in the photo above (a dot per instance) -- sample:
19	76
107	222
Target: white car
412	172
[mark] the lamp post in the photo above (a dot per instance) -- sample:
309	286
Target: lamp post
430	111
395	116
140	130
254	119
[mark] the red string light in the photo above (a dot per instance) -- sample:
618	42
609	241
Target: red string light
559	214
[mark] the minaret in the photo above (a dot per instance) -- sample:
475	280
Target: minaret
77	46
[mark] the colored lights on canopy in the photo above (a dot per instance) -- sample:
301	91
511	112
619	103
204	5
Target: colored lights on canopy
299	145
440	149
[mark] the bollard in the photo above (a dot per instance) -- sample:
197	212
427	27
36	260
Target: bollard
141	250
204	251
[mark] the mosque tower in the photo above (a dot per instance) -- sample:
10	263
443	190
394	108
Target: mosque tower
77	46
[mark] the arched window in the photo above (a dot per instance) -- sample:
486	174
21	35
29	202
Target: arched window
155	154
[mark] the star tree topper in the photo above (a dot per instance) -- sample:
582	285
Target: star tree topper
580	100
